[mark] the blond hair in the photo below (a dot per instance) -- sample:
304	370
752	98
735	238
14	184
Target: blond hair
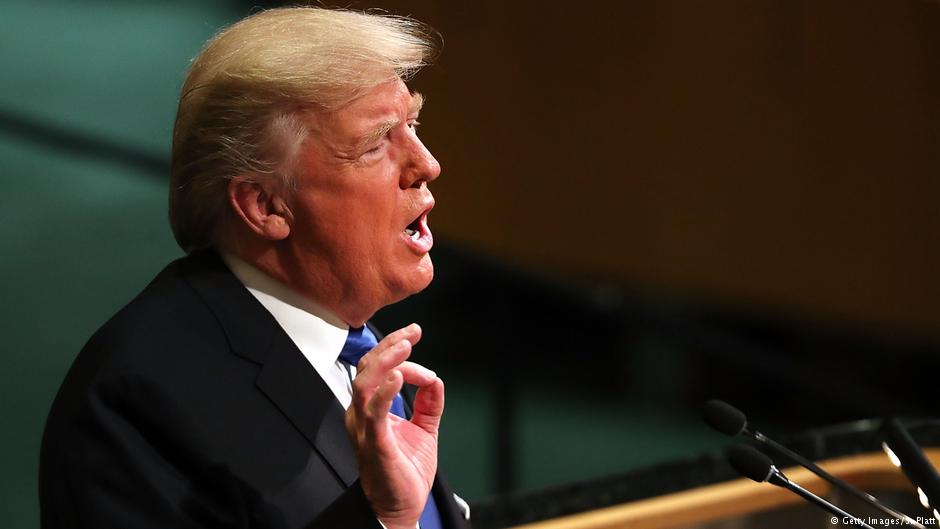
244	104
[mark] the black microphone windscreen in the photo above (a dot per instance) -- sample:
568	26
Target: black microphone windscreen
750	463
724	417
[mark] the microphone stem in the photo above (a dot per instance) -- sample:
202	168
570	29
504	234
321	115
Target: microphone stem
815	469
780	480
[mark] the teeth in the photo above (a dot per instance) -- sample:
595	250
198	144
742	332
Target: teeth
411	233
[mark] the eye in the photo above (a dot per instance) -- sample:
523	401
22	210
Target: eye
413	124
375	151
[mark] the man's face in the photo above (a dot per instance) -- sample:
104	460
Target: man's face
359	233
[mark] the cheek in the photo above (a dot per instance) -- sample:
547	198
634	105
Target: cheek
377	215
328	227
358	218
374	223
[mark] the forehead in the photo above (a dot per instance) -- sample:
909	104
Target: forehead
384	102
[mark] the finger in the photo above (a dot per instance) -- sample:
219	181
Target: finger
382	363
429	406
411	333
416	374
381	401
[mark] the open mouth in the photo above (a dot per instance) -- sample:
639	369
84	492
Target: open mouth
413	230
418	234
418	227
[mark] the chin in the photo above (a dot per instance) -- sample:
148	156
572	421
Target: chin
416	280
425	272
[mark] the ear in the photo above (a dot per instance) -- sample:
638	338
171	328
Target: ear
262	210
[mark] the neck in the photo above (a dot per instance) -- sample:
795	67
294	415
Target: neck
322	289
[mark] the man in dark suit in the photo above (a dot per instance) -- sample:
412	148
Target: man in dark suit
230	392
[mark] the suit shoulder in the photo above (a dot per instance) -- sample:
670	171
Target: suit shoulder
167	340
173	325
166	318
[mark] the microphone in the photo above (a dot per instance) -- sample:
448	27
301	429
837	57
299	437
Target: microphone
732	422
754	465
915	465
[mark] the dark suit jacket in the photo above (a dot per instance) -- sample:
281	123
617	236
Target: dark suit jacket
192	408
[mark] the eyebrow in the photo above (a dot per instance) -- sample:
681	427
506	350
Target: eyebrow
417	101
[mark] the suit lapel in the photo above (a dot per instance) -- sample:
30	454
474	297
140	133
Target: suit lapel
285	377
299	392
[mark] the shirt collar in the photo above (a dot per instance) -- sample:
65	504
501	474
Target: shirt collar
317	332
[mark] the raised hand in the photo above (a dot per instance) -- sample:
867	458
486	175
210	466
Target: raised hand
397	457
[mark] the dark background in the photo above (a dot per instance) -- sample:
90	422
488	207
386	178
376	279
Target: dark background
644	205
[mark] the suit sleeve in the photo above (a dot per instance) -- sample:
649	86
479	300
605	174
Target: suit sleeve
121	453
349	511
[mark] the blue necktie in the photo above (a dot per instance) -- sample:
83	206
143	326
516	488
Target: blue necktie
359	342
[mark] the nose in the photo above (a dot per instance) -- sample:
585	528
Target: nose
421	166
